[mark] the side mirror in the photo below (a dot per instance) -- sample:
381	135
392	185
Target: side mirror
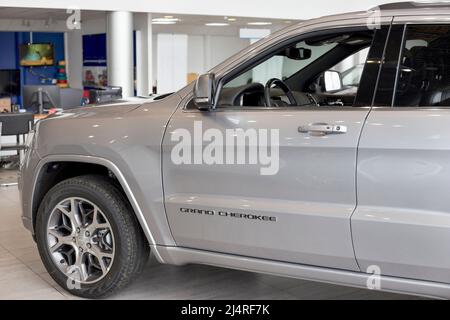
332	80
204	91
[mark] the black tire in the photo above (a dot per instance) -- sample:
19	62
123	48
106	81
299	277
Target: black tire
131	247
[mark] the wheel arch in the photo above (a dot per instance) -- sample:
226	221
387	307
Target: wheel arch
53	169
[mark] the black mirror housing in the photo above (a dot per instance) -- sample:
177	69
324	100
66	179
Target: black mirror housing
204	91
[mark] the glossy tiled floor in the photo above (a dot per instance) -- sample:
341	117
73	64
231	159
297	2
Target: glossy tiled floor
22	275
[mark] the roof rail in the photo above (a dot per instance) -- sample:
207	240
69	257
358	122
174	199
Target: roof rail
411	5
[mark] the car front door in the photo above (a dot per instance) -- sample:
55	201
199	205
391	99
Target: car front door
402	223
291	201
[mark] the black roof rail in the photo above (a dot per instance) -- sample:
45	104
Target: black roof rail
411	5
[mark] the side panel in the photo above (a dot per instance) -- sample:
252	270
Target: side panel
312	196
402	222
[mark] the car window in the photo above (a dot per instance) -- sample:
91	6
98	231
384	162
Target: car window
424	71
351	68
280	67
322	70
386	80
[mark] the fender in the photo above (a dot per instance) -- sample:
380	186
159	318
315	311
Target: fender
114	169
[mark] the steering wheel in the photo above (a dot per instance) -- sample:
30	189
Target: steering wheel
283	86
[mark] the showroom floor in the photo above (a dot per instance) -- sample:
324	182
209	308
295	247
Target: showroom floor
22	275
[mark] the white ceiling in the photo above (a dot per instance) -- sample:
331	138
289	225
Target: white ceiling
184	20
280	9
43	14
201	20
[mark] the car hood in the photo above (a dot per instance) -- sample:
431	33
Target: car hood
114	109
106	130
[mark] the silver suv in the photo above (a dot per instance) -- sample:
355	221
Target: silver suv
270	162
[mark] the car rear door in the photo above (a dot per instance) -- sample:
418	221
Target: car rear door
402	222
299	214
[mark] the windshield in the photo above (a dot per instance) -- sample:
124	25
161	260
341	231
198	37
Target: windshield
281	67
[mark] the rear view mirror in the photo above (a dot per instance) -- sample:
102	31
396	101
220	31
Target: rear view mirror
332	80
204	91
295	53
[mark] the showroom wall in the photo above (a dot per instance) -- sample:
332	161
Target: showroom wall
205	48
190	54
9	55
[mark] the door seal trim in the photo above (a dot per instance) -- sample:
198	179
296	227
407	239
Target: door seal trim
182	256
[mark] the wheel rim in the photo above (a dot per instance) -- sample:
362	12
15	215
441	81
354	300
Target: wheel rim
80	240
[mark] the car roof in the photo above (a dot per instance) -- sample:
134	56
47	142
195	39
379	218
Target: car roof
410	5
392	9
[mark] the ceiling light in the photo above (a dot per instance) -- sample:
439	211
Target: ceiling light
173	20
217	24
259	23
231	19
163	22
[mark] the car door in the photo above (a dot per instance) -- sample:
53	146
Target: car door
402	223
295	208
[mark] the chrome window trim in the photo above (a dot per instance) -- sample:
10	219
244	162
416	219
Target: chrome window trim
422	19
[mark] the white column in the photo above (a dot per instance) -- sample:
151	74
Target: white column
73	46
144	51
150	64
119	30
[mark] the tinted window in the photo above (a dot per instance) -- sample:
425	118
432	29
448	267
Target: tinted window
423	76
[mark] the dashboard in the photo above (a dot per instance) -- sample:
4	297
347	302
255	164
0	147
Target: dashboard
252	95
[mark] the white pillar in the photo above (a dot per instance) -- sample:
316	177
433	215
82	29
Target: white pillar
144	51
119	30
73	46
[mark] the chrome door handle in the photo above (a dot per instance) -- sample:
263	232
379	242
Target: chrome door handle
322	128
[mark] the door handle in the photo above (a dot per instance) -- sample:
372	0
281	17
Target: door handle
322	128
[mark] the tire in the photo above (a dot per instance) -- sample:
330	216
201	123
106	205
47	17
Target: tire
121	249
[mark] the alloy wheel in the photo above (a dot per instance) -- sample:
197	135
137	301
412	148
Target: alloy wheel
80	240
